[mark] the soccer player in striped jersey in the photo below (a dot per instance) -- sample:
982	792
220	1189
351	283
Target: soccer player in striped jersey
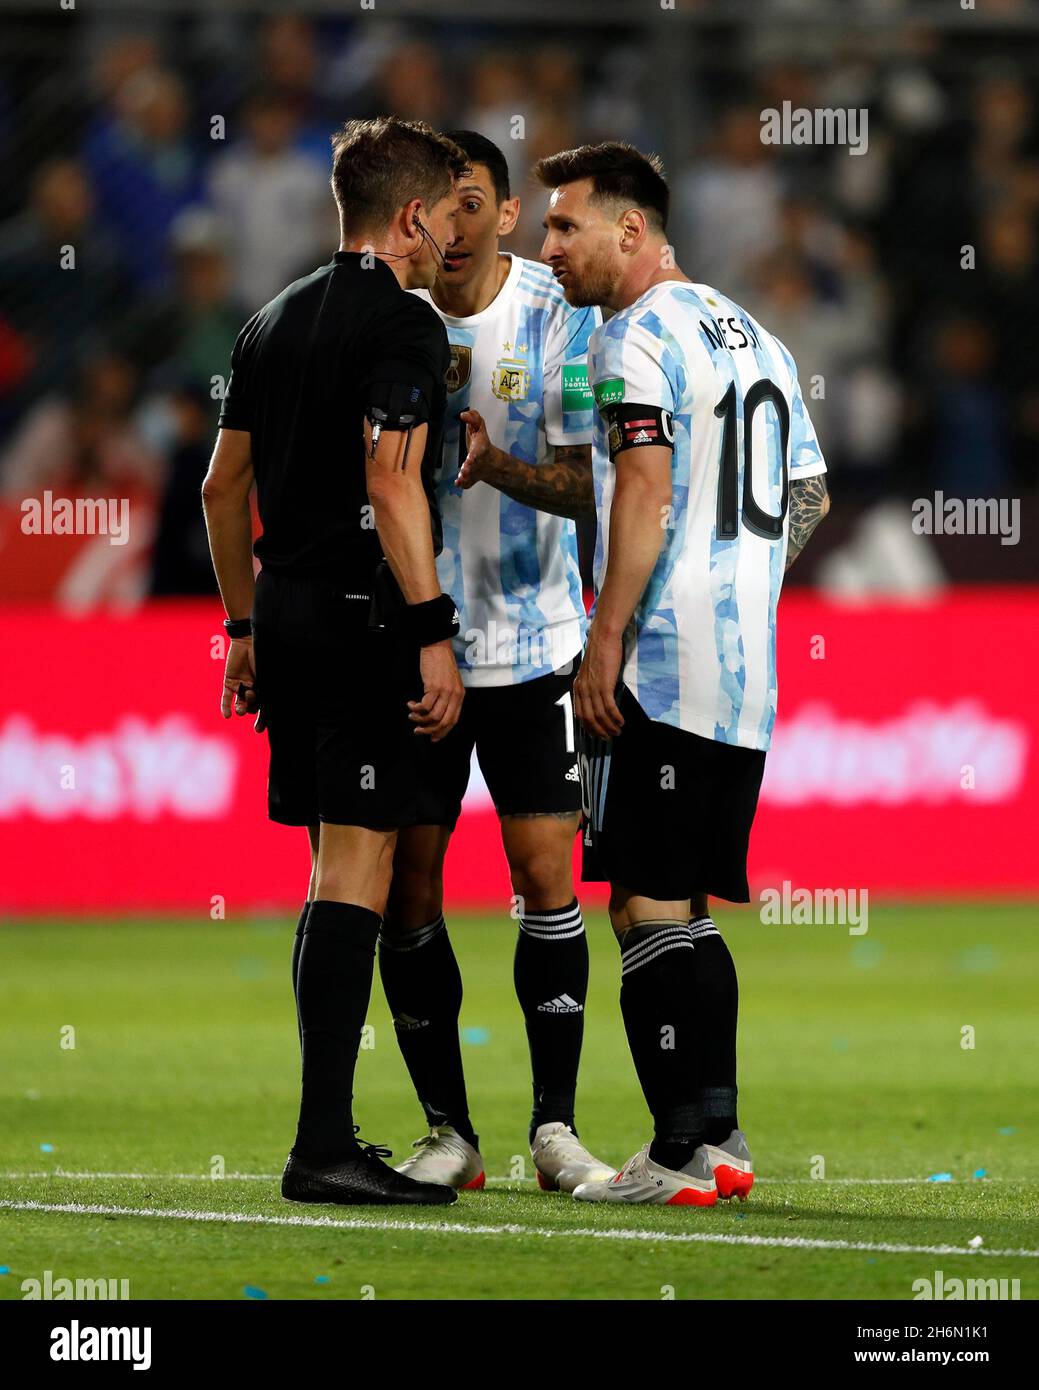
516	470
708	482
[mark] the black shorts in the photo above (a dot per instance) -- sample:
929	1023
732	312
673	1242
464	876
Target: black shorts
334	693
667	813
525	738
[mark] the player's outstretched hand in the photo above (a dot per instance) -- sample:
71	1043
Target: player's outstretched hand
239	691
436	714
478	441
594	689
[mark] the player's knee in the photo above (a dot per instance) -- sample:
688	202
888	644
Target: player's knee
542	879
416	898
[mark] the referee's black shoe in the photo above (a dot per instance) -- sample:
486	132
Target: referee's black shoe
360	1178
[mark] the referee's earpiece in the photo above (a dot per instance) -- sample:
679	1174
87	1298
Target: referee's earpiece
416	222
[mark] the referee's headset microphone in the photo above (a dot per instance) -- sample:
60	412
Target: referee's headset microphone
415	222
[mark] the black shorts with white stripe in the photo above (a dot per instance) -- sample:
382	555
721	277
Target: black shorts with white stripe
667	814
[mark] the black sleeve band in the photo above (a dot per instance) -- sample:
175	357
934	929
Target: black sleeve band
238	627
631	426
396	405
432	621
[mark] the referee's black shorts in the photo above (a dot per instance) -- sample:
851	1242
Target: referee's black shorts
667	813
334	693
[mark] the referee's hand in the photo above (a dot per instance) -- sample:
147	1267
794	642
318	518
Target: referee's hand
239	693
436	714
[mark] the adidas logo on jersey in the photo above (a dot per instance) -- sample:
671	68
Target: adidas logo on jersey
574	775
404	1023
563	1004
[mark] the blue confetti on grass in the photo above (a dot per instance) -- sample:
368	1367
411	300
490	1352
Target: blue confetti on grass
476	1037
320	1278
1008	1129
46	1148
251	1291
979	1173
940	1177
978	960
5	1269
867	954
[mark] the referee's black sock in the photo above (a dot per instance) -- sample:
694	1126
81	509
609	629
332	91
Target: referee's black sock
333	986
423	988
551	977
717	1005
658	976
297	946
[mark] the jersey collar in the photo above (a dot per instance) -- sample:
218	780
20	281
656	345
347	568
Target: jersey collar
499	302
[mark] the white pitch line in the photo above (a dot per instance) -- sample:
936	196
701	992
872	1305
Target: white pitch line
497	1181
454	1228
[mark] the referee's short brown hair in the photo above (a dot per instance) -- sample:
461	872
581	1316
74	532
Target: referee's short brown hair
381	164
619	173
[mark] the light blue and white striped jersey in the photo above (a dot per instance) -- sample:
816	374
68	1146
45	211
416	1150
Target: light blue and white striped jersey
700	652
513	571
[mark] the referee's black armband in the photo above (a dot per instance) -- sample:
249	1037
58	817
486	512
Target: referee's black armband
631	426
432	621
395	405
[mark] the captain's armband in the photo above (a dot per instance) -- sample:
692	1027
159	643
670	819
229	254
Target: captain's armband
631	426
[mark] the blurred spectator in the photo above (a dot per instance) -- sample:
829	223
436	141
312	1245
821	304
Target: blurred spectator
497	91
412	85
191	330
144	170
180	560
275	200
83	443
290	64
966	412
726	209
50	312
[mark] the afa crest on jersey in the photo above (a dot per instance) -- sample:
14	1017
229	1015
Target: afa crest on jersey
460	367
510	379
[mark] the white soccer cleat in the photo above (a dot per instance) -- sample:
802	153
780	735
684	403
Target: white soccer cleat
446	1158
642	1180
562	1162
732	1165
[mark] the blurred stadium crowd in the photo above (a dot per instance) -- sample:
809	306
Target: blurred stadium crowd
919	372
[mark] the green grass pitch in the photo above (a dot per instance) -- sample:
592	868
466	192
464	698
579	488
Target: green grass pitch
851	1053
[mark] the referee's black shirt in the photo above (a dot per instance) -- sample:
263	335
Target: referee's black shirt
301	372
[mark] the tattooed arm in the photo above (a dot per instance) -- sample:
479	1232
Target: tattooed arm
562	486
809	503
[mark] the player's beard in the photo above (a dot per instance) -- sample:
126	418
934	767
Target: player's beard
595	283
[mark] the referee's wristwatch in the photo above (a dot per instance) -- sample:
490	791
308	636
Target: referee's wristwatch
238	627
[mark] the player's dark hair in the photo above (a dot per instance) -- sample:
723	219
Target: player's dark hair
480	150
619	173
379	165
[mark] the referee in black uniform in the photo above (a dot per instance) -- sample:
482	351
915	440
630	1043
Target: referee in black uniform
335	406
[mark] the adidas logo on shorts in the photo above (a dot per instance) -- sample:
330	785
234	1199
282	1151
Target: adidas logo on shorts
404	1023
563	1004
574	775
